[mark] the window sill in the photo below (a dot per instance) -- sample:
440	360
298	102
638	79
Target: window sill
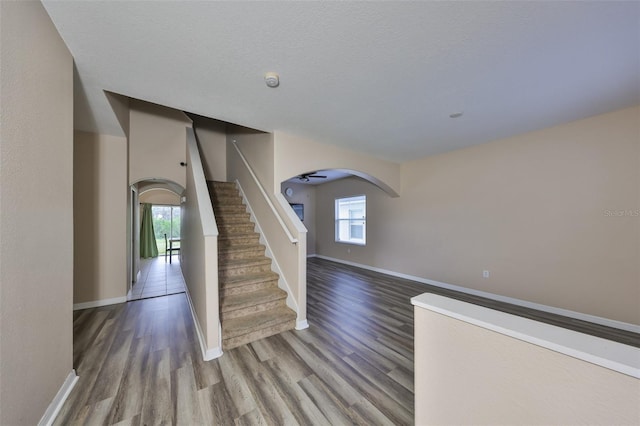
351	243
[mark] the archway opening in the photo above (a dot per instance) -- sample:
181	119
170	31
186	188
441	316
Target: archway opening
163	199
319	213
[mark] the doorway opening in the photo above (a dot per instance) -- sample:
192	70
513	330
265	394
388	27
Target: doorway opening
156	211
166	221
157	278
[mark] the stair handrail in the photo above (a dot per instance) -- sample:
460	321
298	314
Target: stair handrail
264	194
209	225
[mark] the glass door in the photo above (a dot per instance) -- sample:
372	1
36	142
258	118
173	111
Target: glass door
166	220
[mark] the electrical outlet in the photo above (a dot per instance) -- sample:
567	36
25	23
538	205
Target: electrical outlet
348	250
485	274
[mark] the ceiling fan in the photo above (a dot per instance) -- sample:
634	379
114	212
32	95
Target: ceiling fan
305	177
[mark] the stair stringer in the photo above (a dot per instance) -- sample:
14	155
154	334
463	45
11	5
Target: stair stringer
282	282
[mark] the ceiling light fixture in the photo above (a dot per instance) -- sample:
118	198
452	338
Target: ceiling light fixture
455	114
272	79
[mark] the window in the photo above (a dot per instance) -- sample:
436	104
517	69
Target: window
166	220
351	220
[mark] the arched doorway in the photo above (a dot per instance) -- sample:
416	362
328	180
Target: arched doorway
303	193
150	277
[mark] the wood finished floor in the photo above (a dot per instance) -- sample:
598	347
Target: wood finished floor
139	363
615	334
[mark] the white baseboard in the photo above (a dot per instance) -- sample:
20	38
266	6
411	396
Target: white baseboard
212	354
98	303
53	409
302	324
207	354
540	307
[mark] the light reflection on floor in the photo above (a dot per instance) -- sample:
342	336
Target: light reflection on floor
158	277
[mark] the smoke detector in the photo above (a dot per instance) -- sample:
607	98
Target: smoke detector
272	79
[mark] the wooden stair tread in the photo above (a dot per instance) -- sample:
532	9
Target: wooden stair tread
238	239
237	235
246	279
241	247
233	207
234	218
233	204
231	222
252	306
244	300
239	263
227	227
241	229
243	325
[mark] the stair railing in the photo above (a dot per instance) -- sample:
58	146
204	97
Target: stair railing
293	239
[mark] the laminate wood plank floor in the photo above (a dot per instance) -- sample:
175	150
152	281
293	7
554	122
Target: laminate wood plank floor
139	363
386	281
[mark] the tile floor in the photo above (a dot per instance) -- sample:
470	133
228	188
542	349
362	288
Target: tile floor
158	277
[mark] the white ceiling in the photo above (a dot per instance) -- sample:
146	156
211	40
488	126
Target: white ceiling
330	175
377	77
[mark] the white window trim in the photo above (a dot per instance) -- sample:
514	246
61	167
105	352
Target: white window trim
336	220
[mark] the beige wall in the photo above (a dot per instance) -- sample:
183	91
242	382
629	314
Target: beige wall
100	208
192	247
305	194
537	210
120	106
133	234
160	197
290	258
36	212
257	147
466	374
156	143
103	260
212	142
380	228
199	253
157	146
294	155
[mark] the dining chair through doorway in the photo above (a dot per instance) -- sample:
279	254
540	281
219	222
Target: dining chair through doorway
169	248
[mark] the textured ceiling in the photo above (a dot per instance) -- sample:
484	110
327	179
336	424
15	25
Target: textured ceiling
380	77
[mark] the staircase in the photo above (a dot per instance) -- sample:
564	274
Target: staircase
252	306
